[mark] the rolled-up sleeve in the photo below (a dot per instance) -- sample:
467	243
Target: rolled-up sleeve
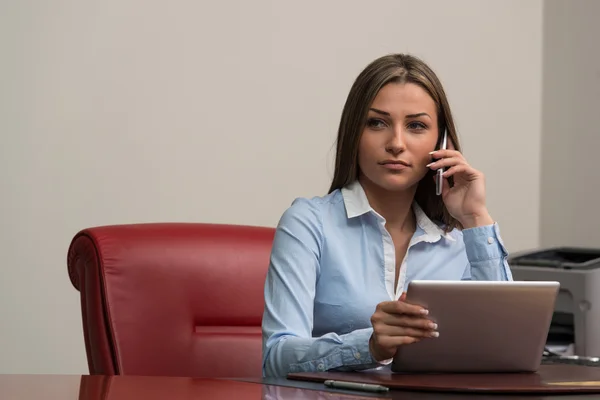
486	253
288	345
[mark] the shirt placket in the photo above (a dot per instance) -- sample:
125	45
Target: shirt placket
389	257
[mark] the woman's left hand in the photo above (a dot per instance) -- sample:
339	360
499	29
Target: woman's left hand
465	201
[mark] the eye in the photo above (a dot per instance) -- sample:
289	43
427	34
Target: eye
376	123
416	126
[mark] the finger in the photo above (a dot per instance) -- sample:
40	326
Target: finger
403	296
408	322
386	331
400	307
419	333
446	162
437	154
389	330
462	169
392	342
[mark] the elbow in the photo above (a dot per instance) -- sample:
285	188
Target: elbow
271	371
272	364
271	368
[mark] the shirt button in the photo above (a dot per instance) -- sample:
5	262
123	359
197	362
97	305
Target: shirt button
357	355
321	367
490	240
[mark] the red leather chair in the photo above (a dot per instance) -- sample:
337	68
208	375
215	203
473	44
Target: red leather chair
172	299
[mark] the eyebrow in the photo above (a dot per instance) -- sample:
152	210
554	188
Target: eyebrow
423	114
408	116
380	112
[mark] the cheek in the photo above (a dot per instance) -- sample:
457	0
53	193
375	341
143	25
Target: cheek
365	148
422	149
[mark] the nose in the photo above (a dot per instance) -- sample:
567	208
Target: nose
396	144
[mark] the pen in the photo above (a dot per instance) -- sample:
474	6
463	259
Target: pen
440	179
367	387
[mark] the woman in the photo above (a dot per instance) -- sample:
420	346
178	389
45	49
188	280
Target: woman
340	263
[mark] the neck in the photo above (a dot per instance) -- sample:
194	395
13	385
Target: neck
395	207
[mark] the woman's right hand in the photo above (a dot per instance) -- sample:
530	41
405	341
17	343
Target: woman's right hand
396	323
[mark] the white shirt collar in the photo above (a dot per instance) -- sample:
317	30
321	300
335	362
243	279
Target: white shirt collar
357	204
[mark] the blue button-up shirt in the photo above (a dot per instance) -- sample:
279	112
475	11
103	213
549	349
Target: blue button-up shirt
333	261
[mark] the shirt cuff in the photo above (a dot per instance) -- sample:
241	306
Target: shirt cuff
483	243
353	354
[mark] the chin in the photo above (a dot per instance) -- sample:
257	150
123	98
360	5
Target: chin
396	183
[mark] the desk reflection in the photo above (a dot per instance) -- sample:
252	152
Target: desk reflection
271	392
282	392
96	387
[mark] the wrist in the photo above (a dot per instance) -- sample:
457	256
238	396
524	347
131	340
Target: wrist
375	356
372	351
476	220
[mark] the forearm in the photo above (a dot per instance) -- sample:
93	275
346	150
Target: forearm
328	352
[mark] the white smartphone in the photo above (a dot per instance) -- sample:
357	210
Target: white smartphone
439	179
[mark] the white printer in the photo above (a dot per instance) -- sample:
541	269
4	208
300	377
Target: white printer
576	320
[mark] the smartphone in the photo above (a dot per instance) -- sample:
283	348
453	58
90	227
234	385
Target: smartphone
439	179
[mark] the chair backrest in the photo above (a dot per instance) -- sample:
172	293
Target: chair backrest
172	299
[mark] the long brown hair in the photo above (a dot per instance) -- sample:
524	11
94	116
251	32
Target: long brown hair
393	68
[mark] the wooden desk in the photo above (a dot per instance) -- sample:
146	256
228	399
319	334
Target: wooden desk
74	387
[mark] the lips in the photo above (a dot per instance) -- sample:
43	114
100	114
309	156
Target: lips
395	164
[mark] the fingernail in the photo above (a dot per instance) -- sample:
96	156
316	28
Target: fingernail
431	152
430	164
432	325
424	311
435	334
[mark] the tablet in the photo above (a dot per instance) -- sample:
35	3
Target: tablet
484	326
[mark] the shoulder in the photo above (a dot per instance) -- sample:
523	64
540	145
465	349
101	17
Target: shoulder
301	225
311	210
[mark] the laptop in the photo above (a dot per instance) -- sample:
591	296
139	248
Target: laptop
484	326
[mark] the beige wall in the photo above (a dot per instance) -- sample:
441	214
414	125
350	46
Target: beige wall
571	135
127	111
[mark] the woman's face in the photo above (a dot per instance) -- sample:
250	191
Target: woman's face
400	132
